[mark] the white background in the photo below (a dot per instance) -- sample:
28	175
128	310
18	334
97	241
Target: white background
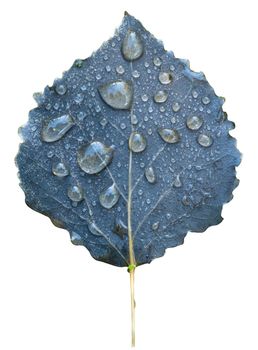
199	296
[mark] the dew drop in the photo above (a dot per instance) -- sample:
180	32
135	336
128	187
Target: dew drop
137	142
132	46
140	192
205	140
145	98
109	197
108	68
94	229
195	94
194	122
134	119
94	157
122	126
54	129
157	61
103	122
161	96
155	225
150	175
176	106
165	78
177	182
75	193
60	169
60	89
120	69
135	74
120	228
169	135
117	94
206	100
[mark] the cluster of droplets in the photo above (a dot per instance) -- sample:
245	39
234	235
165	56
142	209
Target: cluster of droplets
95	156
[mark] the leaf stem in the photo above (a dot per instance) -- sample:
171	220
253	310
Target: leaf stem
132	306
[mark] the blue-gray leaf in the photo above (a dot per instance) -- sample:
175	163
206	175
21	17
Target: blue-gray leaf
129	138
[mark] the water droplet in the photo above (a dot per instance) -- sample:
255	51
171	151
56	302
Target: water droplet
108	68
194	122
177	182
81	115
78	98
120	69
137	142
134	119
98	76
140	192
120	228
103	122
148	201
50	154
145	98
78	63
94	157
94	229
176	106
117	94
132	46
169	135
60	89
165	78
195	94
206	100
161	96
75	193
155	225
205	140
150	175
157	61
60	169
54	129
76	238
122	126
109	197
135	74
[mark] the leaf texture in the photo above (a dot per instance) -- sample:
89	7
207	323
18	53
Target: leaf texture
130	126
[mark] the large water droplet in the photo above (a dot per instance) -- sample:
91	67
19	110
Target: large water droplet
165	78
109	197
150	175
169	135
137	142
117	94
75	193
60	169
132	46
120	228
205	140
54	129
161	96
94	157
194	122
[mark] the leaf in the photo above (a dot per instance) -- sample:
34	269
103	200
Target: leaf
129	137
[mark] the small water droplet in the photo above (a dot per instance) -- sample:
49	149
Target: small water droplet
169	135
155	225
137	142
78	98
117	94
60	89
81	115
108	68
120	69
60	169
150	175
54	129
132	46
50	154
136	74
140	192
120	228
145	98
194	122
206	100
148	201
122	126
157	61
165	78
177	182
195	94
78	63
173	120
103	122
98	76
75	193
94	229
109	197
161	96
176	106
94	157
205	140
134	119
